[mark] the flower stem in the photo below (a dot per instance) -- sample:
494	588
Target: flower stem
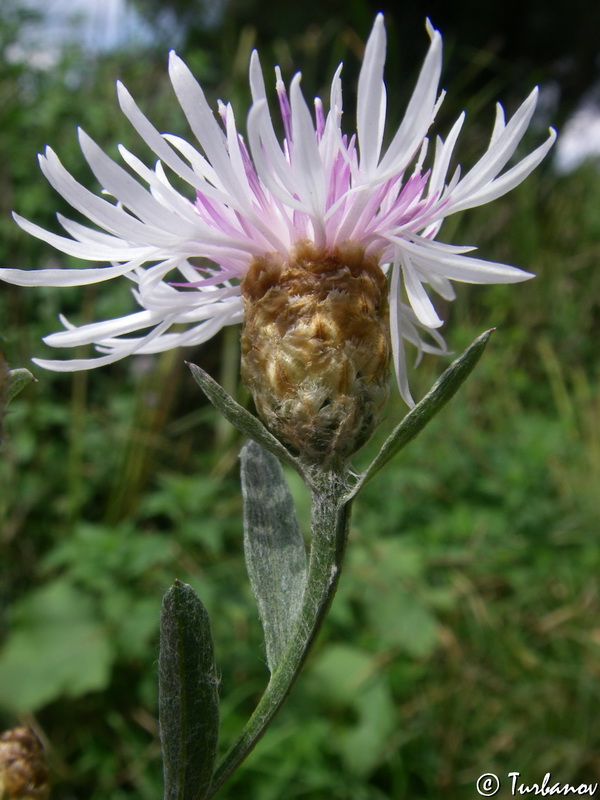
330	519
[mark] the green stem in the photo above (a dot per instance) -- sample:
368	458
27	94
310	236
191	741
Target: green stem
330	519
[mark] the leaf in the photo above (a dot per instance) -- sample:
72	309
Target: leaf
403	621
349	677
274	547
243	420
11	383
416	419
58	648
365	745
188	695
18	379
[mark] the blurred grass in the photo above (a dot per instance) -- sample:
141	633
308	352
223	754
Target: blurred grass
465	635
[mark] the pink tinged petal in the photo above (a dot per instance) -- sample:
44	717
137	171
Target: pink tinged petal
300	223
419	113
432	245
228	161
159	185
355	200
454	181
190	312
63	277
203	123
222	110
151	277
307	164
77	364
158	143
128	191
397	337
449	264
107	215
421	157
163	300
95	238
499	125
513	177
335	166
263	230
235	156
418	297
190	271
422	215
257	81
368	221
498	154
253	179
438	103
410	331
284	105
272	211
319	117
212	273
335	95
196	335
97	331
205	177
431	231
214	189
338	168
219	311
442	286
271	166
265	146
198	112
108	332
125	349
225	229
216	214
371	100
394	243
334	117
339	178
392	190
120	251
190	306
202	283
443	154
403	208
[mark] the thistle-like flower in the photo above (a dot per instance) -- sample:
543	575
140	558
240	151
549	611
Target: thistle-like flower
23	771
303	240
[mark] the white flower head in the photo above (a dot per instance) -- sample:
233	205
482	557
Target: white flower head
257	195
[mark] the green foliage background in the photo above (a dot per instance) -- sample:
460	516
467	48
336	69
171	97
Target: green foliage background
464	638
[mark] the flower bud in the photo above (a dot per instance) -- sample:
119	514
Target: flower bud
23	772
316	347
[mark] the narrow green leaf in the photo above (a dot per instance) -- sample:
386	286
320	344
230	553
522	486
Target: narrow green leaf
274	548
243	420
416	419
17	381
188	695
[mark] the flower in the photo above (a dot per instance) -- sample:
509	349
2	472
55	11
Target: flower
23	771
258	198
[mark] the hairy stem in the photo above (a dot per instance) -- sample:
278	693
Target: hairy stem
330	519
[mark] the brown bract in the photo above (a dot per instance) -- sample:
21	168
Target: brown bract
23	772
316	347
